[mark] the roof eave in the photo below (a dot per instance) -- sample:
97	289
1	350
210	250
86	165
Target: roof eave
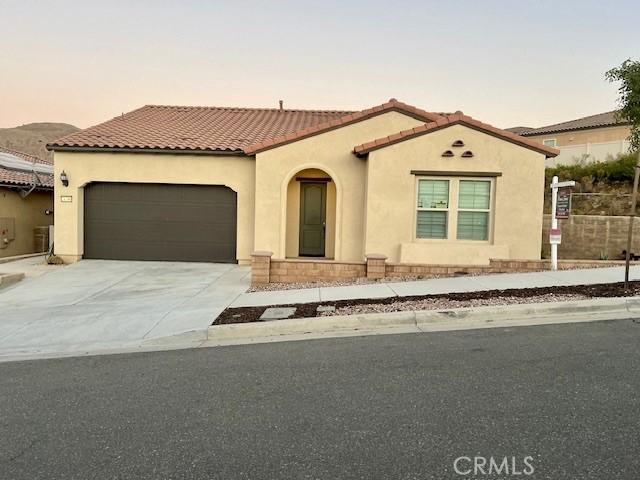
547	151
22	186
575	129
172	151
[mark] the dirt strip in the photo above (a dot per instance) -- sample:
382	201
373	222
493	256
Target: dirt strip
440	301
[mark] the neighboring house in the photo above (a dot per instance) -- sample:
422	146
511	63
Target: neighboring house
589	139
214	184
26	201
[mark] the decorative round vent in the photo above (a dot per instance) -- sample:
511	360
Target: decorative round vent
467	154
458	143
447	153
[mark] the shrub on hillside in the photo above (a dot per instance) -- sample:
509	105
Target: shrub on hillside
616	171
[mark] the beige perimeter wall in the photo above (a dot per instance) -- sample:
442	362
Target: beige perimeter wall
236	172
592	237
28	213
516	198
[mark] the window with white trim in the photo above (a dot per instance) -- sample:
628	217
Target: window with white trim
550	142
454	208
433	208
474	203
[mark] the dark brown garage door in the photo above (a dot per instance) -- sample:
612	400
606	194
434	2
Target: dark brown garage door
138	221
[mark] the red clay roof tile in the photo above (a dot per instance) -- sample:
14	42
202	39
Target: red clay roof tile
391	105
160	127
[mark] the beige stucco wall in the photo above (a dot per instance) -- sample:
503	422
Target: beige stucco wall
517	198
592	135
331	153
28	213
236	172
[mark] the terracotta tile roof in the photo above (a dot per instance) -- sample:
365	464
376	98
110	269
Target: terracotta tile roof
206	129
391	105
21	178
518	130
449	120
607	119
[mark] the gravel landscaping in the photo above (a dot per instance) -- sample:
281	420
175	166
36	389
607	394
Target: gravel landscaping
438	302
271	287
446	304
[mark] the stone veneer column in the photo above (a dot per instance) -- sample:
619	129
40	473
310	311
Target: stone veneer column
260	266
376	265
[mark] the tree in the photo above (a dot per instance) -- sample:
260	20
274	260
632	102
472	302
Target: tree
628	74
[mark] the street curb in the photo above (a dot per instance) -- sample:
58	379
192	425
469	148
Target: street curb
423	321
437	320
9	278
21	257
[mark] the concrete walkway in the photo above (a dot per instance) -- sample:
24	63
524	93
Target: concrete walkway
439	285
99	304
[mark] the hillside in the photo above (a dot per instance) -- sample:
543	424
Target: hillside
602	188
32	137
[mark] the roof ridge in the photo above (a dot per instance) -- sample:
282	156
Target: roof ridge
250	109
392	104
452	119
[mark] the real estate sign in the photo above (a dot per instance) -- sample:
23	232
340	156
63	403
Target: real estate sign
563	204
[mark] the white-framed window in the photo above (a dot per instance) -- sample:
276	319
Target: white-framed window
474	210
433	208
454	208
550	142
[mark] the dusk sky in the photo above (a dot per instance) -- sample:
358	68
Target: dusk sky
506	63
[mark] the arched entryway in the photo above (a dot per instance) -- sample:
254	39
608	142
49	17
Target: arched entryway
311	215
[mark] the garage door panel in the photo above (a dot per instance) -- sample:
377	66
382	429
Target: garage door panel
154	211
160	222
152	232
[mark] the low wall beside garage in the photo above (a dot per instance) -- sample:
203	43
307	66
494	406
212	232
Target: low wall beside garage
592	237
265	270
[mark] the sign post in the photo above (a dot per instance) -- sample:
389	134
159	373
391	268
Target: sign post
560	208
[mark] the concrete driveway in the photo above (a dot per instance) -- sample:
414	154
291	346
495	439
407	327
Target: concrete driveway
98	305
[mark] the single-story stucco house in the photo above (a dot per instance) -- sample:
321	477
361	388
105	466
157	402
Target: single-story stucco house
216	184
26	203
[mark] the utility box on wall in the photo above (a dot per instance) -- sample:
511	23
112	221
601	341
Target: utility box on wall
7	231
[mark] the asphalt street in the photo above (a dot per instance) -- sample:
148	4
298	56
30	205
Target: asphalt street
379	407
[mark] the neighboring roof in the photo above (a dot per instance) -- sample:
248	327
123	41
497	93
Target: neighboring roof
518	130
26	156
457	118
194	129
607	119
24	170
391	105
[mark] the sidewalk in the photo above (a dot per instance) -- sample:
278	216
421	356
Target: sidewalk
500	281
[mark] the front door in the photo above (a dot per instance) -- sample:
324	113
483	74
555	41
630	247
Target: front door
313	211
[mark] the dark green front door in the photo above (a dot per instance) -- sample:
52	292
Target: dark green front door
313	210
